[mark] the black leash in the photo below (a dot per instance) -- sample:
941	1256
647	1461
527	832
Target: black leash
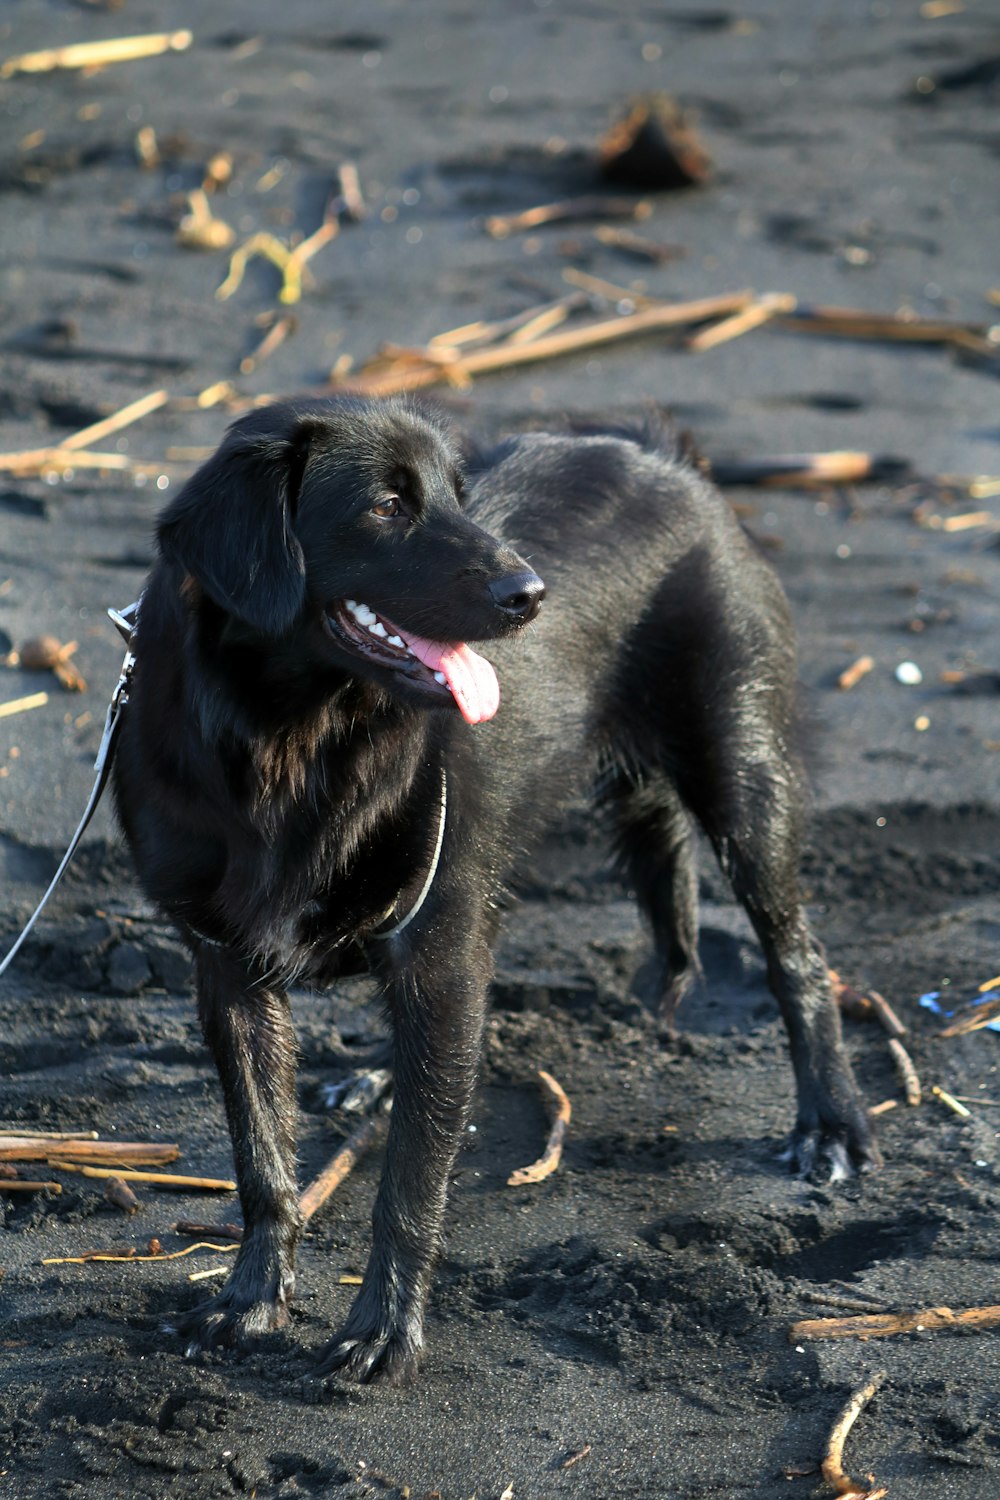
125	621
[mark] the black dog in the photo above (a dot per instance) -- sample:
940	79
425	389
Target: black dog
298	780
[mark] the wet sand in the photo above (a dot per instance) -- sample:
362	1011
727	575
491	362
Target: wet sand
622	1328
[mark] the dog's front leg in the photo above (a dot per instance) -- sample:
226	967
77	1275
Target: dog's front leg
248	1029
437	1004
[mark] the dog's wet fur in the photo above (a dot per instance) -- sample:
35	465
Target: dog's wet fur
283	779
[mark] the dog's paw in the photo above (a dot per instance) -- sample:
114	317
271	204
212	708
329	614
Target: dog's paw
386	1355
227	1322
832	1154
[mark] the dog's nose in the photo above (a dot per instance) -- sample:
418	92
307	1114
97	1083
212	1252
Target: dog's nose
518	595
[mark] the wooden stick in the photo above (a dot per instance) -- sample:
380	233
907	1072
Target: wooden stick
429	371
560	1113
885	1013
157	1179
22	1185
756	315
22	705
39	1148
97	54
884	1107
832	1466
119	419
480	333
905	1070
885	1325
950	1102
852	675
340	1165
502	225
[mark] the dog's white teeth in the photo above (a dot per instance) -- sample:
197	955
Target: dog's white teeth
378	628
440	677
394	640
364	615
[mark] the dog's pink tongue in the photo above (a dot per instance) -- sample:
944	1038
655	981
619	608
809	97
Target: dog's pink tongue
470	677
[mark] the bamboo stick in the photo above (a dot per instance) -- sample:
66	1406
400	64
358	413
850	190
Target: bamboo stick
22	705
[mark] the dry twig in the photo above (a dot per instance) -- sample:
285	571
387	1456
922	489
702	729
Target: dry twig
973	1018
97	54
560	1112
502	225
404	370
131	1254
22	1185
832	1465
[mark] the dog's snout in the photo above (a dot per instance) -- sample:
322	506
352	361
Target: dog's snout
518	595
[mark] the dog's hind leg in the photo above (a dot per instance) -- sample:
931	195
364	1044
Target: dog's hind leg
437	1003
654	840
749	805
247	1027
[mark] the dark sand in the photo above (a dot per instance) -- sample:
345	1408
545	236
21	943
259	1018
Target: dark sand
638	1303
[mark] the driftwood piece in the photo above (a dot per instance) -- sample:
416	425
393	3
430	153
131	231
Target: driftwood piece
560	1113
885	1325
832	1466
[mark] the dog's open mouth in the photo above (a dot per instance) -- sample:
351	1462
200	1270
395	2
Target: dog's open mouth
453	669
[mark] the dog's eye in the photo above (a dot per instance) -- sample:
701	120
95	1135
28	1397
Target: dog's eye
387	508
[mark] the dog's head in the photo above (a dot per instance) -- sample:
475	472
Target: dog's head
342	522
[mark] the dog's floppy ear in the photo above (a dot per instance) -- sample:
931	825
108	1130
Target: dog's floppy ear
230	527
